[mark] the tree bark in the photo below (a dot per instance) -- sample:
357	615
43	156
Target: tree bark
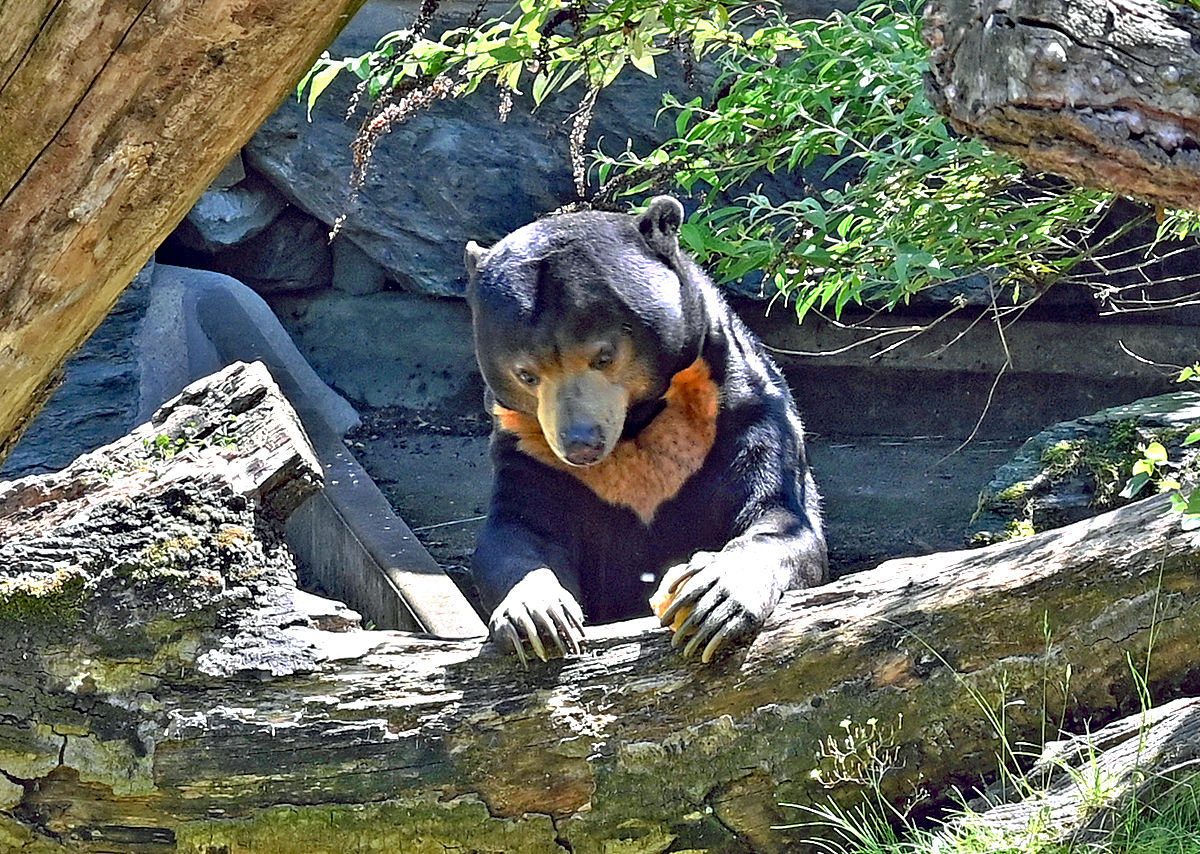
1105	92
116	114
1082	788
163	690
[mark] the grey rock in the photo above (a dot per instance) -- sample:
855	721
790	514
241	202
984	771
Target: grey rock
446	176
354	272
233	173
978	289
226	216
1076	469
388	349
292	254
437	181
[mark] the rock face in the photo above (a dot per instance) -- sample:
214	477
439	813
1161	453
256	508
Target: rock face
98	399
388	349
293	254
1076	469
229	213
449	175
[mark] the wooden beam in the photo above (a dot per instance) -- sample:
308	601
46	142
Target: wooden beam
116	116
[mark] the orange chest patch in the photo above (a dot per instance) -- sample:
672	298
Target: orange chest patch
643	472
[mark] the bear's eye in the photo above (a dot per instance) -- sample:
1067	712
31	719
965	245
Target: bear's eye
527	377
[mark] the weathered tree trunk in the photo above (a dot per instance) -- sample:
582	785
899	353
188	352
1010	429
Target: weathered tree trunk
162	691
1082	788
114	117
1103	92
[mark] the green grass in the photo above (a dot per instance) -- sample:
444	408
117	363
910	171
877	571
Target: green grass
1168	825
1137	813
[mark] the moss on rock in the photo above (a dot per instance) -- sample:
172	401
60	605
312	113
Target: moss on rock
1076	469
41	598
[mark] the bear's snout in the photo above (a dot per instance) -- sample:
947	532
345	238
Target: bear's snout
581	415
583	444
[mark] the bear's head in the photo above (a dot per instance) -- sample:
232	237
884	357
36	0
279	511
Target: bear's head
582	320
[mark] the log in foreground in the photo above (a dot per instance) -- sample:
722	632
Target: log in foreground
116	117
162	691
1104	93
1083	788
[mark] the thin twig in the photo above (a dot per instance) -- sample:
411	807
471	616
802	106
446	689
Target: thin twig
465	521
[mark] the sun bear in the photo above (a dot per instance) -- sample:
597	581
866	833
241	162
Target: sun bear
642	437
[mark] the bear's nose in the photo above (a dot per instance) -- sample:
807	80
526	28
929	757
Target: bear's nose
583	444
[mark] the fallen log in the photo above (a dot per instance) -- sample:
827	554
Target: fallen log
161	689
1084	788
1102	92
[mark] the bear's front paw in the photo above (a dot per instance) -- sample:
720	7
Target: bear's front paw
538	610
712	600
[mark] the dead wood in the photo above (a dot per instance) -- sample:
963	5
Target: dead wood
115	118
163	691
1104	92
1081	789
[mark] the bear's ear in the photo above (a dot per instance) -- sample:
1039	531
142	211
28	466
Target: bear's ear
660	224
474	258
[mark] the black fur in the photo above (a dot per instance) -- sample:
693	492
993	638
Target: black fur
742	529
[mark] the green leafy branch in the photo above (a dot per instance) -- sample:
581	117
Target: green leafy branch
1155	468
544	49
823	171
900	203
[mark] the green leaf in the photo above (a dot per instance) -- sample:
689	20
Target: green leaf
361	66
1135	485
643	63
320	82
506	53
693	238
541	85
1155	452
510	75
611	67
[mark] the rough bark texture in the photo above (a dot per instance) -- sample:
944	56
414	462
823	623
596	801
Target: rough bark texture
1103	92
162	691
114	117
1082	788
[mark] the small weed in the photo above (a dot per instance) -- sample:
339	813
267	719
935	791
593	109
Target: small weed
164	446
1019	528
1155	468
862	756
1015	492
1168	823
1104	461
